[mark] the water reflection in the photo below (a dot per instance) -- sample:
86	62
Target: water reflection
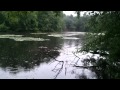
26	55
43	60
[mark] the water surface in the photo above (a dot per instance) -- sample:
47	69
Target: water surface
42	56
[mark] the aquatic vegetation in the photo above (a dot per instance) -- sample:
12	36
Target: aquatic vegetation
20	38
38	33
56	35
70	38
29	39
67	34
10	35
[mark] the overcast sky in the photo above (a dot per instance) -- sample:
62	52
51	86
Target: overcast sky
71	12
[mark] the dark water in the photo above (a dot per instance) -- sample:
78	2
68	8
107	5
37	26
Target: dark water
48	59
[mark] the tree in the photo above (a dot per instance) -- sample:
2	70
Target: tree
31	21
69	23
76	24
104	40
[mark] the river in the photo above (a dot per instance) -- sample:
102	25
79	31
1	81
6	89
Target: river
42	56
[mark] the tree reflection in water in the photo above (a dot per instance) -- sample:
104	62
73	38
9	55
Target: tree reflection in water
24	56
77	70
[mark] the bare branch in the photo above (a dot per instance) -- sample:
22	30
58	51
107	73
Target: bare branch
84	66
76	55
65	71
59	70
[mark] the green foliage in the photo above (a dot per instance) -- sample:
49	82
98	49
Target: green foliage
31	21
104	37
76	24
49	21
3	28
69	23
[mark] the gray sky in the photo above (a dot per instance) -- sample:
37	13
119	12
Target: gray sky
71	12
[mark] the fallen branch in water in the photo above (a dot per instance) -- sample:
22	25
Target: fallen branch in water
58	69
76	55
55	59
84	66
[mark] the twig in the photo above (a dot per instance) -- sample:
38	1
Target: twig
65	71
56	59
59	71
76	62
55	67
76	55
84	66
72	60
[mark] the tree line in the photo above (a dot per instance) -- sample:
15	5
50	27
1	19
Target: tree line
44	21
76	24
22	21
104	38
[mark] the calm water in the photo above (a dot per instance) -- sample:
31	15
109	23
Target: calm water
49	59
